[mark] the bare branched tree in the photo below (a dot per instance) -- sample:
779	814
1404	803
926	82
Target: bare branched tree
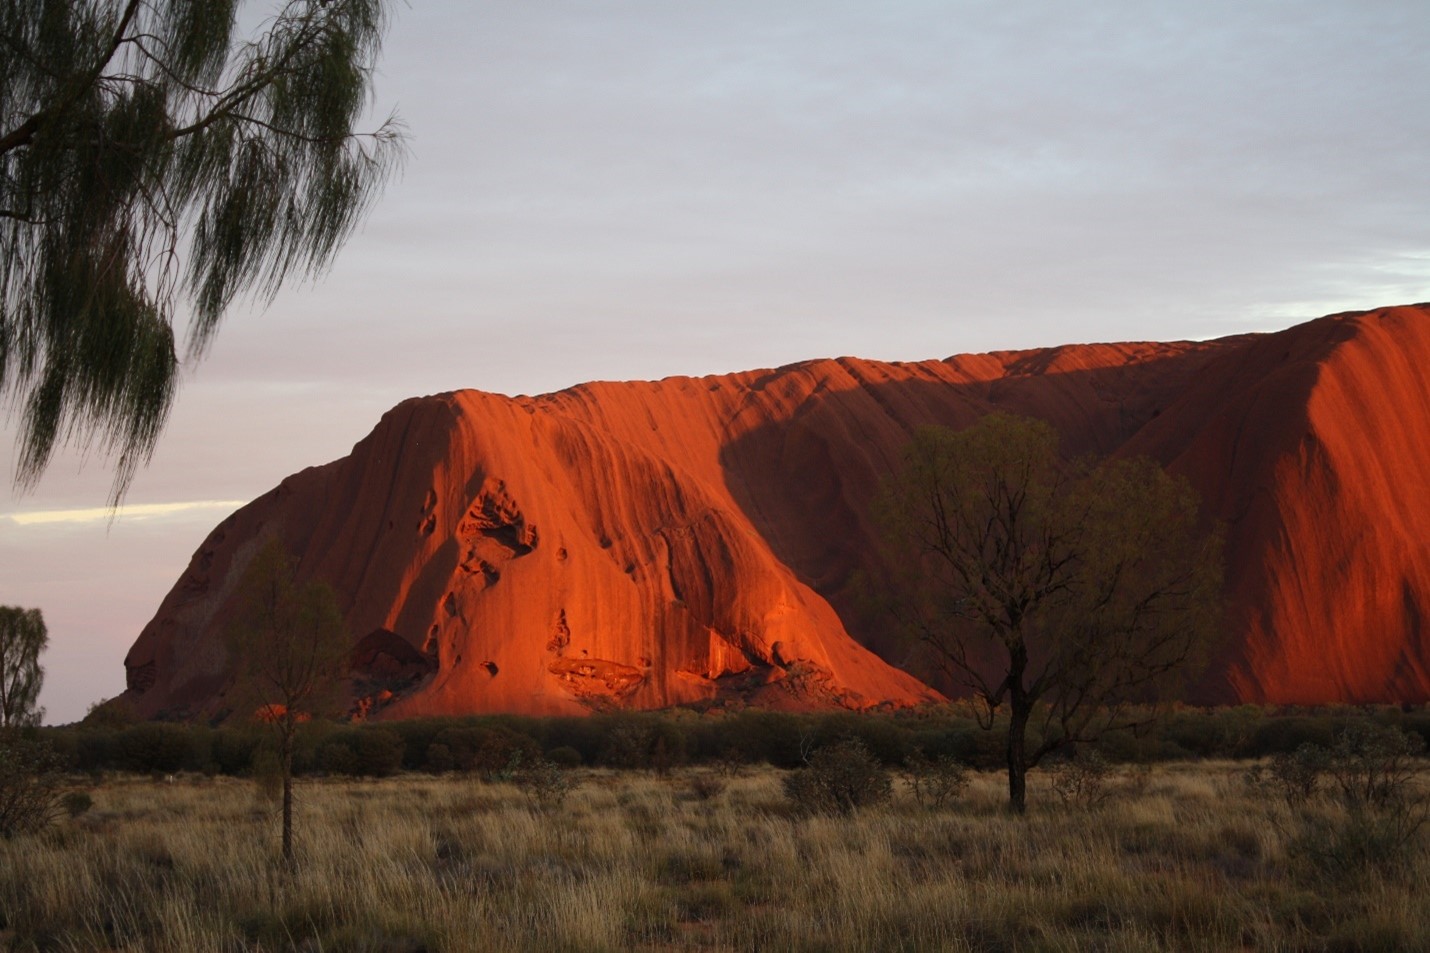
154	167
1072	593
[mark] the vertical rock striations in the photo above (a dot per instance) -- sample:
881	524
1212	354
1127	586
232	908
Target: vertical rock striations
647	544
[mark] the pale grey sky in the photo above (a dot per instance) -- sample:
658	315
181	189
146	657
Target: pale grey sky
615	190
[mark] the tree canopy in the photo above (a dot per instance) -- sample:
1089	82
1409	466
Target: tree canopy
155	166
22	638
1071	592
288	640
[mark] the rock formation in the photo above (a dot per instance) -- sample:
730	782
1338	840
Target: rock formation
647	544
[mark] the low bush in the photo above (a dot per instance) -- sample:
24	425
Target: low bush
76	803
839	779
361	752
1348	843
1081	780
937	782
1372	765
1283	734
546	785
1293	777
564	756
162	746
30	784
884	738
753	737
232	749
644	741
1374	815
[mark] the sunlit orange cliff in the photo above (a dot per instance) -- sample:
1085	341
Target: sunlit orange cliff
647	544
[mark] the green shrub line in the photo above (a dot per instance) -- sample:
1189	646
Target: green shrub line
491	745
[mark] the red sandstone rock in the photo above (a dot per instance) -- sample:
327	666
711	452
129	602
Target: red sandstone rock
647	544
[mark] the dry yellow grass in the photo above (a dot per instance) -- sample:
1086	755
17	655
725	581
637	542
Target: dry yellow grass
1183	860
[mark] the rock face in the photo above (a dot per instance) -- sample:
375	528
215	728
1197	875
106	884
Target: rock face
648	544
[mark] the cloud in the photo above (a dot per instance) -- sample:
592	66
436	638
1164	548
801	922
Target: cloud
137	511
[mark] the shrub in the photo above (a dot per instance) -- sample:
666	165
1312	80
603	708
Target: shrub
963	741
110	713
668	747
1285	733
882	737
76	803
336	755
546	785
1348	843
1215	733
504	753
935	783
439	758
1376	817
584	735
1082	779
30	780
564	756
1417	723
96	749
493	751
1372	765
232	749
377	752
839	779
756	736
1298	774
628	746
161	746
1294	777
418	735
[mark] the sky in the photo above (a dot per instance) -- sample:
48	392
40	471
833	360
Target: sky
632	190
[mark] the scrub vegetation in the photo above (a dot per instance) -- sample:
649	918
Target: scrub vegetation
1198	854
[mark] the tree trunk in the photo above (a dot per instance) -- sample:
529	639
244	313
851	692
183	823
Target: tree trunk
1018	754
286	756
1020	710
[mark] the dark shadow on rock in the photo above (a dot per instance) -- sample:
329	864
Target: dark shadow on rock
808	482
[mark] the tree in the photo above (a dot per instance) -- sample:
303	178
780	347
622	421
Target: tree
22	638
291	649
31	781
1070	592
30	769
153	163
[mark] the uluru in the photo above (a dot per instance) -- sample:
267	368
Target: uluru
685	541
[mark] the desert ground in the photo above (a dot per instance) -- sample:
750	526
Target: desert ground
1177	856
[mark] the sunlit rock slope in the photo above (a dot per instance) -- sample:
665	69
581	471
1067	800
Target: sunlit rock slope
646	544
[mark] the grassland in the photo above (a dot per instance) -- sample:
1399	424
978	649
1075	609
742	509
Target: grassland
1181	857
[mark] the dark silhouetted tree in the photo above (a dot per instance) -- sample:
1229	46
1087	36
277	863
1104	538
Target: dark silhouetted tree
1072	593
155	163
22	638
31	771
